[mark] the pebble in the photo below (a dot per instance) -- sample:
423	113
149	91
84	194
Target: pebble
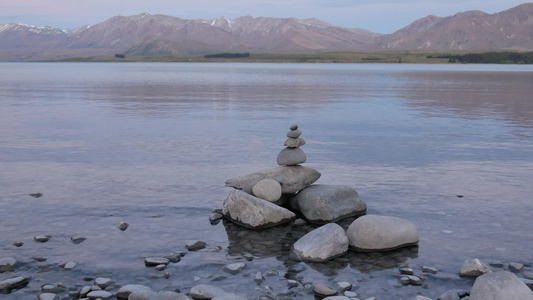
50	288
195	245
70	265
7	264
258	277
123	225
474	268
99	295
293	127
155	261
414	280
344	286
406	271
18	244
350	294
292	283
206	291
421	298
449	295
77	240
12	283
323	290
497	264
42	238
84	291
126	290
431	270
48	296
160	267
103	282
234	268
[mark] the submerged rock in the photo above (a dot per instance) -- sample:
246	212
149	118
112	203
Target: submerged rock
500	285
381	233
291	178
206	291
253	212
321	203
7	264
125	291
321	244
14	283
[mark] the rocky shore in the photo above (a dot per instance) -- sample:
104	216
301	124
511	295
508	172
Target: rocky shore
283	215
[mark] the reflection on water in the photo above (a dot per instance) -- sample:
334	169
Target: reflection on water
153	144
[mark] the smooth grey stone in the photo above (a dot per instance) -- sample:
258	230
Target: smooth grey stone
449	295
228	296
195	245
497	264
100	295
322	203
406	271
323	290
142	295
294	143
7	264
160	267
381	233
234	268
155	261
336	298
292	283
474	268
103	282
293	127
42	238
84	291
267	189
322	244
500	285
404	280
294	134
421	298
14	283
253	212
431	270
291	157
515	267
50	288
350	294
259	277
206	291
126	290
48	296
414	280
291	178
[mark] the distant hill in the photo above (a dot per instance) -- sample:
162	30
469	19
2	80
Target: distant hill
147	35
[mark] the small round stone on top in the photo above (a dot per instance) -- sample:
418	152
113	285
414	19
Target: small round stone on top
294	127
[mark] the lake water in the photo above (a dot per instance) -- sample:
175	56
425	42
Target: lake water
447	147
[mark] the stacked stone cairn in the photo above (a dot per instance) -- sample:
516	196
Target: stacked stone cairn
272	197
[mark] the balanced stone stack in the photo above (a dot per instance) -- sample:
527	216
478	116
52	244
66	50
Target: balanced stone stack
271	197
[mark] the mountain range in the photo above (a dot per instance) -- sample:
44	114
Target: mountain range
148	35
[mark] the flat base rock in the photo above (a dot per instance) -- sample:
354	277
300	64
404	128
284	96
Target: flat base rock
381	233
322	244
500	285
253	212
322	203
291	178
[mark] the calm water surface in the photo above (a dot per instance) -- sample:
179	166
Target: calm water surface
152	144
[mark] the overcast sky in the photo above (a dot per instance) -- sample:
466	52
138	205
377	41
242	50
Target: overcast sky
381	16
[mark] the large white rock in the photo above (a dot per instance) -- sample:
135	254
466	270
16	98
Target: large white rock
321	203
321	244
500	285
381	233
255	213
291	178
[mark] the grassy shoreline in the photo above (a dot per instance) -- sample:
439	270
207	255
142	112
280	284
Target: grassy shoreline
411	57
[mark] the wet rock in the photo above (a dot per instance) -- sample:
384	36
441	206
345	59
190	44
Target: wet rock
404	280
160	267
234	268
214	218
36	195
449	295
70	265
350	294
123	225
344	286
381	233
258	278
292	283
500	285
48	296
84	291
195	245
406	271
474	268
50	288
322	203
421	298
7	264
125	291
100	295
18	244
336	298
291	157
103	282
142	295
155	261
255	213
323	290
267	189
414	280
14	283
42	238
228	296
321	244
497	264
291	178
206	291
77	239
431	270
515	267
